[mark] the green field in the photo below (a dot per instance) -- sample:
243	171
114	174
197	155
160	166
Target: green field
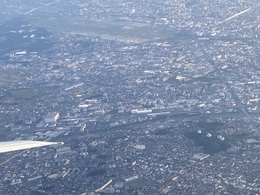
139	183
26	93
136	31
23	93
8	78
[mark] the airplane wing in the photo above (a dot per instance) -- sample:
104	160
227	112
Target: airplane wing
9	146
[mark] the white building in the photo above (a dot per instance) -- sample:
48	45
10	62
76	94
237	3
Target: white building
144	111
51	117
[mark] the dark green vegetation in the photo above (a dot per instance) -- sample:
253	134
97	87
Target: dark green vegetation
162	132
116	28
104	156
96	172
8	78
204	79
26	38
210	126
179	38
27	93
124	30
235	138
211	145
23	93
215	128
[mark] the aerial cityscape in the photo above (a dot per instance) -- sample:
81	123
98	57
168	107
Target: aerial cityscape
146	97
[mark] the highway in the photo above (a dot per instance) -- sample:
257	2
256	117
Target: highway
239	105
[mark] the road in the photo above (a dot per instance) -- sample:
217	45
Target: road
239	105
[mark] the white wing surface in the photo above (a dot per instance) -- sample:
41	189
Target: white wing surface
9	146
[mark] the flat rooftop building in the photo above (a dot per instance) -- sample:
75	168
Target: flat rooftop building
52	117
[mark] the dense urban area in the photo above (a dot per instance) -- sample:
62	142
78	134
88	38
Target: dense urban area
149	97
